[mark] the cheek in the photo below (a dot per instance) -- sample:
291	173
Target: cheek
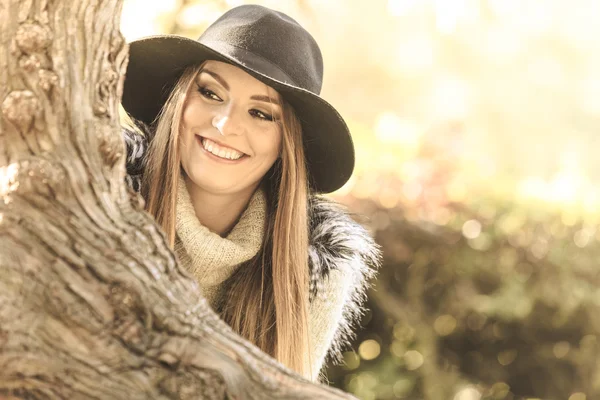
276	143
266	142
196	113
189	114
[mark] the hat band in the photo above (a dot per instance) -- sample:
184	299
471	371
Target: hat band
249	60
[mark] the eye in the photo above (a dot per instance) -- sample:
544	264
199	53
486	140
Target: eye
209	94
260	115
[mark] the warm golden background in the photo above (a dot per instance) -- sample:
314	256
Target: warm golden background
475	124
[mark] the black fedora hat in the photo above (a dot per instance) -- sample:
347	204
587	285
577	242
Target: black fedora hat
273	48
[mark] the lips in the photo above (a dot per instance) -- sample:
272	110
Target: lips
217	158
220	144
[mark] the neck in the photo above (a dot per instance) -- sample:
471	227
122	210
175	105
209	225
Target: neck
218	212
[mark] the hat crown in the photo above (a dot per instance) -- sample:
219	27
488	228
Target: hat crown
277	40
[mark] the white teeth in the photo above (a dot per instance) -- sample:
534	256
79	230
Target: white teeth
214	148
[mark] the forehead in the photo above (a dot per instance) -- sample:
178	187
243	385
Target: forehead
234	75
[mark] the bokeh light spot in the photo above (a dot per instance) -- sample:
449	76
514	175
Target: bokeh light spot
468	393
500	390
413	359
369	349
397	348
507	357
561	349
582	238
403	387
351	360
403	332
471	229
444	325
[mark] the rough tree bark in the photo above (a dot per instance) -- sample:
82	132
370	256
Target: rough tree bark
92	301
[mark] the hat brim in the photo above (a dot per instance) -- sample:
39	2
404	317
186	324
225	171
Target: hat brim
155	64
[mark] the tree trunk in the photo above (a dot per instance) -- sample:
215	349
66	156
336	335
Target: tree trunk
92	301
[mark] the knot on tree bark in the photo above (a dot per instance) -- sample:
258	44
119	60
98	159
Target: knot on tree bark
30	62
131	317
32	37
106	90
21	108
47	79
187	386
111	145
33	177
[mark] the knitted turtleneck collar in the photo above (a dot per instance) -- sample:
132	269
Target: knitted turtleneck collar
212	258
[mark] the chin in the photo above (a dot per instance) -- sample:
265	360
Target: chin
212	181
217	186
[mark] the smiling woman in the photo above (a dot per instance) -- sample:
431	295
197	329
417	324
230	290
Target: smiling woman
231	164
226	98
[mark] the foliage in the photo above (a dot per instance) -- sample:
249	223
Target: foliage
497	300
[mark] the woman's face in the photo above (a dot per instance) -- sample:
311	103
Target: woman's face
229	134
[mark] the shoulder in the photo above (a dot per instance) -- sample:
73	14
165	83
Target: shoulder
343	259
337	241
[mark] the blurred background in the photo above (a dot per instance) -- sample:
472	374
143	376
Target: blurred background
476	131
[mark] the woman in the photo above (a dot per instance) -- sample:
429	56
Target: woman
238	144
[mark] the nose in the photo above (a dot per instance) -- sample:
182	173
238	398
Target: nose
228	122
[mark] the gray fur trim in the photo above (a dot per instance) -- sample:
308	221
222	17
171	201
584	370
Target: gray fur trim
336	241
136	144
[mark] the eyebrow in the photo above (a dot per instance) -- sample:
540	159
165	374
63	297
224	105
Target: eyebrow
259	97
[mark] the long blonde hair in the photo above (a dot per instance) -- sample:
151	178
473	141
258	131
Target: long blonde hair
267	296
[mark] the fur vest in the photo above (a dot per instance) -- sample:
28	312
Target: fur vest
339	248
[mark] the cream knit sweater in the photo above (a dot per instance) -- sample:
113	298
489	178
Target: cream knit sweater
212	259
